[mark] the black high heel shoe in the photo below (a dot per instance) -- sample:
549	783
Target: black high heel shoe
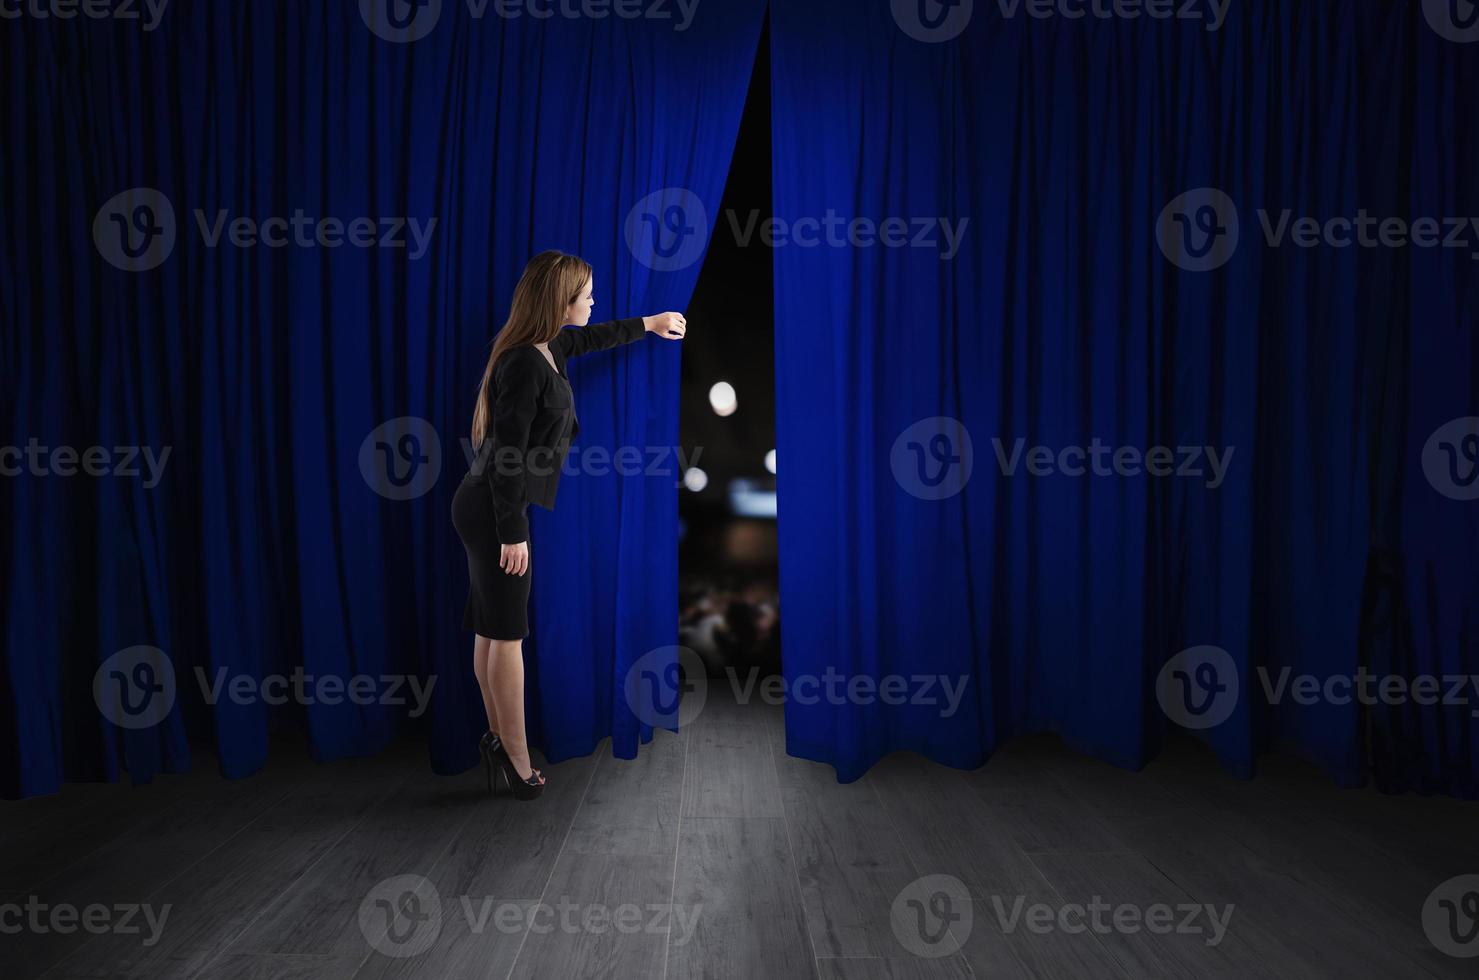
523	789
488	747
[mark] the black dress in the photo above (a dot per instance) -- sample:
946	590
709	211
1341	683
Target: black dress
518	463
497	602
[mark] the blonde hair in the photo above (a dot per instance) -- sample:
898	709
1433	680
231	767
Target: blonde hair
550	283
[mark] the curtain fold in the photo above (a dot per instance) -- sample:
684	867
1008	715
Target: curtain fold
919	539
315	393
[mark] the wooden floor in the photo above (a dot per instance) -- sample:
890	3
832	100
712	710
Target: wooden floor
715	854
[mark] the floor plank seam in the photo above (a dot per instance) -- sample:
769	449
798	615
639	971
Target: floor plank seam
677	849
430	875
302	875
872	780
1126	969
83	857
569	829
816	962
85	943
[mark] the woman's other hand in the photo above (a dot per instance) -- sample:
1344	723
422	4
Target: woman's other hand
514	558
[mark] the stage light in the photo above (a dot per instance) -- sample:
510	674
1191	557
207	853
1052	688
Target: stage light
770	461
723	399
695	479
749	499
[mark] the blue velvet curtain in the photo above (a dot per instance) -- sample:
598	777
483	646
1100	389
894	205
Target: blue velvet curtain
315	400
1053	602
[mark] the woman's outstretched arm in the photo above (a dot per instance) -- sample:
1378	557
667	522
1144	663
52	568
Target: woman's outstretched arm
575	341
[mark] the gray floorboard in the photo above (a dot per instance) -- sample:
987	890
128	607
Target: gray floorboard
716	854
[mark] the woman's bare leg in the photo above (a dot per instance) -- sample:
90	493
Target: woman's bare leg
507	671
482	651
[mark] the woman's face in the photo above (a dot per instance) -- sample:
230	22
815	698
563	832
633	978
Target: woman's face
578	314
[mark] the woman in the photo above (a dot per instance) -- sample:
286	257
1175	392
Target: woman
521	427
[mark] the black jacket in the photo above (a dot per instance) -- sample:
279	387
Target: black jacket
534	421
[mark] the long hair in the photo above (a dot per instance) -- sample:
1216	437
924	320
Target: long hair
551	282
